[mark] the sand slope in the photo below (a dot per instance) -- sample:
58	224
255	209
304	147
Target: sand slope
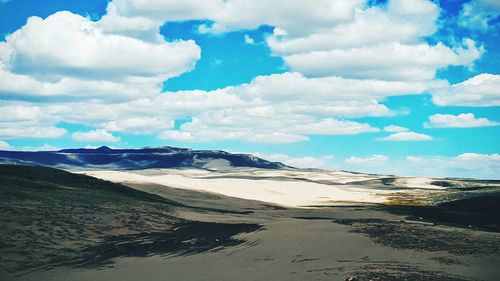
282	187
62	226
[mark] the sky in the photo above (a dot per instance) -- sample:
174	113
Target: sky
407	87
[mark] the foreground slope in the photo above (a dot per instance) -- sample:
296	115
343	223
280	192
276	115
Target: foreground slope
62	226
52	218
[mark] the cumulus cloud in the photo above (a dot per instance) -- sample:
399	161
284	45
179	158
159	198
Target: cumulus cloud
52	69
379	43
139	125
480	90
393	61
213	129
465	165
347	38
249	40
280	87
144	14
241	14
68	68
19	113
175	135
303	105
44	147
406	136
478	14
254	125
142	18
414	159
67	57
478	156
395	129
400	21
463	120
228	113
31	132
471	165
98	135
25	87
4	145
323	162
373	160
66	44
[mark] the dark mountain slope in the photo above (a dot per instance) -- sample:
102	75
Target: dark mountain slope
130	159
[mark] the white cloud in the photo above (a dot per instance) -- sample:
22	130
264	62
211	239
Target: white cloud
65	44
395	129
57	62
402	21
98	135
406	136
176	135
393	61
414	159
228	128
31	132
249	40
369	161
463	120
25	87
282	107
47	147
477	156
139	125
19	113
323	162
242	14
140	27
331	126
379	43
480	90
68	68
160	11
67	57
478	14
44	147
466	165
267	125
4	145
142	17
281	87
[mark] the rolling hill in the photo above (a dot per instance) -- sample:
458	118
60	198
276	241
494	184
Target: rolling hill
135	159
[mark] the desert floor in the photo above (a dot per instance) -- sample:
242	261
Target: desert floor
208	233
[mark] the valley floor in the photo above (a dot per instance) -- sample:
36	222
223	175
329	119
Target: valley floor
219	235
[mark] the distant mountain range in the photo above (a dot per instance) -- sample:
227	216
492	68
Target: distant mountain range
131	159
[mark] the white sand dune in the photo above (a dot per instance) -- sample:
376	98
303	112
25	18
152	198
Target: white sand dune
282	187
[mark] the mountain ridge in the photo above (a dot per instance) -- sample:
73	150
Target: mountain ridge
132	159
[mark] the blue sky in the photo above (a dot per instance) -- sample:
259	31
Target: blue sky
400	86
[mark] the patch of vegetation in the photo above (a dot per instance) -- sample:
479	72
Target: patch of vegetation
473	209
403	235
397	272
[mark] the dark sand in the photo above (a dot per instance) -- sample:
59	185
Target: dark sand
71	227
